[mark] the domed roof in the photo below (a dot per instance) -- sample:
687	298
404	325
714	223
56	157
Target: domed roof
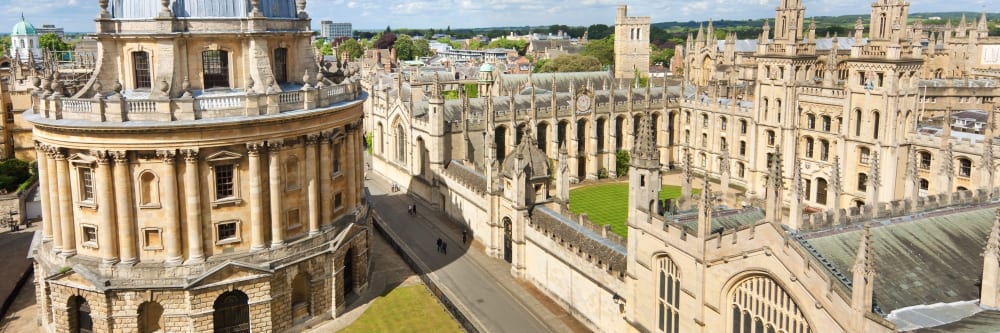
532	158
23	28
486	68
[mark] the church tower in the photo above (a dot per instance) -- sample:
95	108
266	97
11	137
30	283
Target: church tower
644	175
631	44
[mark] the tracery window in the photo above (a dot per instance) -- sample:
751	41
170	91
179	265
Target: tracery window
759	305
668	297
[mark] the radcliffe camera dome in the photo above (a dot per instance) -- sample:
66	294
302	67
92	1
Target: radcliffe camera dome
140	9
23	28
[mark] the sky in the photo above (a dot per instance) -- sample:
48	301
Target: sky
78	15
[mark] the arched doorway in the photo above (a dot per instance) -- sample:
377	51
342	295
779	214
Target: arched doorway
150	317
349	272
79	315
232	313
301	307
508	240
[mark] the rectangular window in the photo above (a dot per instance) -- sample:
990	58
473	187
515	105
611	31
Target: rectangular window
865	156
338	201
151	239
86	184
223	181
226	232
89	236
140	64
215	64
743	148
336	156
280	65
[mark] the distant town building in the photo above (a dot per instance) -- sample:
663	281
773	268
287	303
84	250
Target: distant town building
631	44
330	30
51	28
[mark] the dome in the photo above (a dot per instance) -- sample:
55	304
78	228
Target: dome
486	68
23	28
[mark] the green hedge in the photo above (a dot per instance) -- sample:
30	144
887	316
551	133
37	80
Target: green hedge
13	173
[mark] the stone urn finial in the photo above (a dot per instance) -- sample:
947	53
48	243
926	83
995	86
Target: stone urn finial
255	8
117	87
164	86
186	87
250	84
96	87
35	81
104	6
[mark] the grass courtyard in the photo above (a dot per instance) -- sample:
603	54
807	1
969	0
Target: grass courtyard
607	204
405	309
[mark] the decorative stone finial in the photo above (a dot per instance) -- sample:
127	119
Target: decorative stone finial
255	11
117	87
164	86
186	87
250	83
104	7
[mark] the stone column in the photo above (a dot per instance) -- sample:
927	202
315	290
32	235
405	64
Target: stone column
256	198
192	191
171	209
352	169
325	178
312	183
277	190
43	188
359	164
53	194
123	206
107	241
65	204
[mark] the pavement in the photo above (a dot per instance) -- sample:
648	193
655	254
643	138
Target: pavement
13	267
482	287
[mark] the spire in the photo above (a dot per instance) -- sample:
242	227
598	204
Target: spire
645	152
990	291
775	182
983	24
711	32
962	23
701	33
705	208
862	284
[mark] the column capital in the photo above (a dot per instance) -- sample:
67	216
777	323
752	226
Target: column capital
119	156
41	147
254	148
274	146
101	156
326	136
190	156
313	139
57	153
168	156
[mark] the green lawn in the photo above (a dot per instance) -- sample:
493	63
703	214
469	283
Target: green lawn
608	203
405	309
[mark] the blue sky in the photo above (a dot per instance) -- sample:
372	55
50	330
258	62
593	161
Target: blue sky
77	15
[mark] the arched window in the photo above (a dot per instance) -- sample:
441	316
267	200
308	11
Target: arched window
842	71
744	127
151	318
770	137
704	160
141	70
925	160
809	147
824	150
704	120
687	117
231	312
743	148
961	188
281	65
857	122
400	144
820	70
758	303
865	155
149	190
668	297
722	144
79	315
862	182
723	121
301	306
826	123
704	140
810	121
924	187
875	123
964	167
764	108
215	67
821	186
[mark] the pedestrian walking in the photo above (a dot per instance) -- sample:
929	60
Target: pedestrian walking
465	236
439	244
444	247
414	209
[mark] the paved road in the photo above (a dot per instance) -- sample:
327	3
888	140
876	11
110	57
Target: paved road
482	287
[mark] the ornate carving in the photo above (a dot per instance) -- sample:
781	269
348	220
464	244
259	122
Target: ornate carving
120	156
274	146
312	139
191	156
254	148
101	156
104	6
168	156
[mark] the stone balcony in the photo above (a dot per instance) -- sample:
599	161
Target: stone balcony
196	105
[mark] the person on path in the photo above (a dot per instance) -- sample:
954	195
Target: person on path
444	247
439	244
414	209
465	236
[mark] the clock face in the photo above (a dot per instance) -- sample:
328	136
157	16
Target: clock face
583	103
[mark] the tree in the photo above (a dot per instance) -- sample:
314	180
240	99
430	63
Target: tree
541	64
504	43
13	173
572	63
602	49
422	47
474	44
385	41
352	48
5	43
660	56
52	42
599	31
404	48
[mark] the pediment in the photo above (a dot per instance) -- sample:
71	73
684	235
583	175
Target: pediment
228	272
80	158
77	277
223	156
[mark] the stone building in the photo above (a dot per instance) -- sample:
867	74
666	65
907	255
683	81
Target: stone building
207	176
631	44
24	44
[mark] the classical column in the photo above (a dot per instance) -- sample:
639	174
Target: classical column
277	190
107	241
43	188
192	191
312	183
256	198
172	225
123	206
53	194
65	204
325	178
352	167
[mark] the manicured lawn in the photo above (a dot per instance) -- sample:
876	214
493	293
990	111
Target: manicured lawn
405	309
608	203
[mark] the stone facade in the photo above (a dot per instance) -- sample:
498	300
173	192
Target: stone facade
631	45
199	183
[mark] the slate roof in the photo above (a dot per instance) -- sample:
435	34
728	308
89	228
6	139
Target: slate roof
466	175
721	219
563	80
983	322
927	260
750	45
572	232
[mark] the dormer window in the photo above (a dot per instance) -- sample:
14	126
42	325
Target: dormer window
215	67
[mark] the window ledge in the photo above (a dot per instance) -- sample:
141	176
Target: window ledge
228	241
90	245
150	206
293	188
153	248
226	202
87	204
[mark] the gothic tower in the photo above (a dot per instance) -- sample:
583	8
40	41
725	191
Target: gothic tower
631	44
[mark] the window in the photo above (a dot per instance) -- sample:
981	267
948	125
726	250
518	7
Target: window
807	188
924	186
743	148
281	65
862	182
224	168
151	239
687	117
79	315
964	167
704	140
293	219
227	232
857	122
338	201
826	123
809	147
336	155
704	160
89	236
141	69
821	191
865	155
743	127
723	122
668	297
811	121
86	184
704	120
925	160
215	67
231	312
687	136
223	181
722	144
875	129
740	170
824	150
758	302
770	137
